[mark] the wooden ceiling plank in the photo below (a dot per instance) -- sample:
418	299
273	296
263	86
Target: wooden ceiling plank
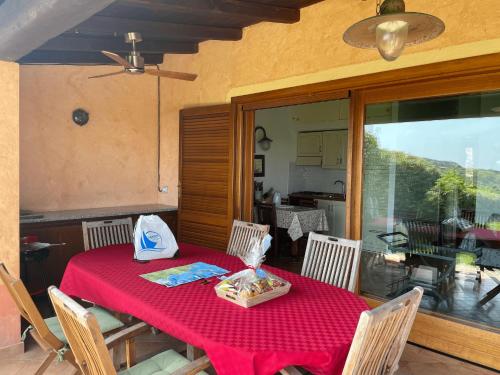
263	12
99	25
199	12
201	8
78	58
116	44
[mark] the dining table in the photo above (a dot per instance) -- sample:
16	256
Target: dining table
312	326
299	220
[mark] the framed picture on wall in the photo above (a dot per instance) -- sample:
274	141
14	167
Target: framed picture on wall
259	165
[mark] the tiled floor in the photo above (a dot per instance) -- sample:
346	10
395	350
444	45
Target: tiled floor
415	360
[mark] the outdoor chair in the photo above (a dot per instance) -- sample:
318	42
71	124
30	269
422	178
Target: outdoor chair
241	235
332	260
380	337
91	349
47	332
107	232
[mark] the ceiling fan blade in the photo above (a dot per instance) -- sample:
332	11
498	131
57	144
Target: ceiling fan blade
108	74
172	74
120	60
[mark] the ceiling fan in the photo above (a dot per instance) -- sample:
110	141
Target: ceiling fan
134	62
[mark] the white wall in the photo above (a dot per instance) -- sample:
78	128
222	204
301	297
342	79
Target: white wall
282	125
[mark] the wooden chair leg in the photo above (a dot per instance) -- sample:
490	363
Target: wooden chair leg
46	363
117	355
68	356
193	353
130	352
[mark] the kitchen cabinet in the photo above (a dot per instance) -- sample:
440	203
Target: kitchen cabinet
309	144
334	149
308	160
66	227
335	216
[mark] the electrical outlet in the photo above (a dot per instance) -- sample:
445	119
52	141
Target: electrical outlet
164	189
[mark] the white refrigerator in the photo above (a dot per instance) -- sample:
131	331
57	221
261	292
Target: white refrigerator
335	215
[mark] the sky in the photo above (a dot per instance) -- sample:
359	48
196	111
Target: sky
470	142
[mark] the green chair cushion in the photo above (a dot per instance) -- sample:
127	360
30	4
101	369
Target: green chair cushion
107	322
164	363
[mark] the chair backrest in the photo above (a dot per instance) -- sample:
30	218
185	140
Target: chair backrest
332	260
107	232
381	336
266	214
41	333
83	334
422	234
241	234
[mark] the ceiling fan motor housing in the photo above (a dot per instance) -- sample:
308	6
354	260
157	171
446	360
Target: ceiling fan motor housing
133	37
135	59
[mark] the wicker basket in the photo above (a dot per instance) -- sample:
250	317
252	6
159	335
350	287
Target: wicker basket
252	301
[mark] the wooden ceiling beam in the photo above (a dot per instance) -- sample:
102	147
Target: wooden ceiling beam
78	58
116	44
102	26
264	12
202	8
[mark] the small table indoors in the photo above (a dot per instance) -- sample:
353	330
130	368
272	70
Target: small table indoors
300	220
312	326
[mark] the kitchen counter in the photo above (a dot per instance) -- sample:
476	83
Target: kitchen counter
314	195
65	215
65	227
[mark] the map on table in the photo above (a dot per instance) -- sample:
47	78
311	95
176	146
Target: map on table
184	274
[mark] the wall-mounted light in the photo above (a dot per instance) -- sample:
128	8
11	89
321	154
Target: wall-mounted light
392	29
264	142
80	117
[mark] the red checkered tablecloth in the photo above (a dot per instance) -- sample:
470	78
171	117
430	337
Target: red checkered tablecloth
312	326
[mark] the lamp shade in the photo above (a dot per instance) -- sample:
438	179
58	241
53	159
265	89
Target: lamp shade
421	28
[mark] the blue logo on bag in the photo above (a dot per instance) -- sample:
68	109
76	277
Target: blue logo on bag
151	241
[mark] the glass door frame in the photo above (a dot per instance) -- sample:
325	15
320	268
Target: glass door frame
468	75
445	334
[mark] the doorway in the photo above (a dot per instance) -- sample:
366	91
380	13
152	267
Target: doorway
299	175
443	332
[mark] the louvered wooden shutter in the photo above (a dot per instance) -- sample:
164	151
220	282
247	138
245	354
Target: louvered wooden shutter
205	176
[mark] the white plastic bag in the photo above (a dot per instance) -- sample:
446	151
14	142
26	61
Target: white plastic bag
153	239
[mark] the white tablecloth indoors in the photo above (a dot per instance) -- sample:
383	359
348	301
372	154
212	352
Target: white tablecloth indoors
300	220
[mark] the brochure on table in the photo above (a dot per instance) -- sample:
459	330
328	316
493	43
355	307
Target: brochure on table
184	274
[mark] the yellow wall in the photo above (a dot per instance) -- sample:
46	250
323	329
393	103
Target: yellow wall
66	167
9	193
273	56
110	161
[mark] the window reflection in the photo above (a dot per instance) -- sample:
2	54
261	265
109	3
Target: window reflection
431	203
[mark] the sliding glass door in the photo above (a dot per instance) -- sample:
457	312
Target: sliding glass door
431	204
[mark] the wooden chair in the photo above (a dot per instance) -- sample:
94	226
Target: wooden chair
380	337
91	349
107	232
266	215
241	234
47	332
332	260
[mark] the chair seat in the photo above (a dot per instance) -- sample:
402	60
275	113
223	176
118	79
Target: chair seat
107	323
164	363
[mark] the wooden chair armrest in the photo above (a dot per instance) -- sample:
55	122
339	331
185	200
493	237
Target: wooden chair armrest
290	370
194	367
126	334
